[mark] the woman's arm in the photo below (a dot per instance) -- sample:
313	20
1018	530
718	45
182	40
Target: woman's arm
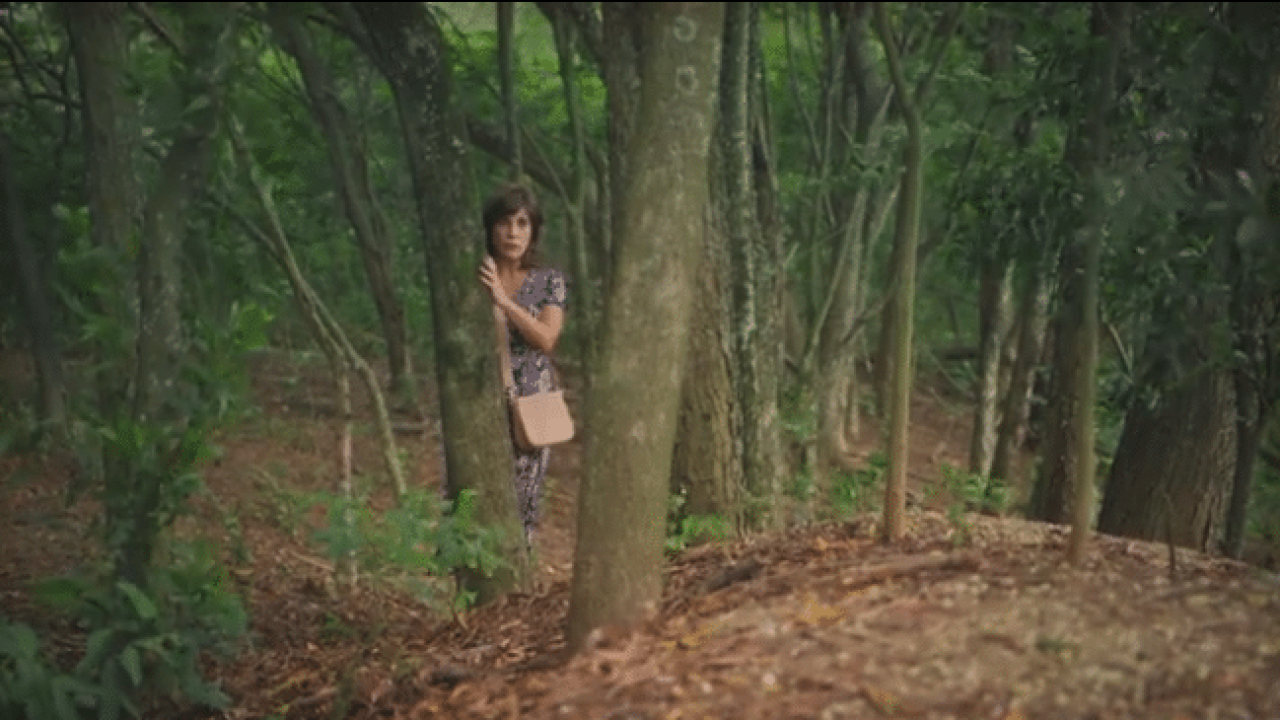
541	332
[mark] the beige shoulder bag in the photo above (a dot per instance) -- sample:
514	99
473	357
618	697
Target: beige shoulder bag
537	420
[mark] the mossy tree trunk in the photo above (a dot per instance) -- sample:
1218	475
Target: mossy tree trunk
408	45
632	410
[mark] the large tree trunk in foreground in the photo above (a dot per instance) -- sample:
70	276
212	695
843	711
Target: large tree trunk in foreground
410	49
631	413
1173	467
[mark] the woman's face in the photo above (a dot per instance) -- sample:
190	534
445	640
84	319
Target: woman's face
511	235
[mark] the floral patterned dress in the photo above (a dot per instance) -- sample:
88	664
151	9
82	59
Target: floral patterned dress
532	372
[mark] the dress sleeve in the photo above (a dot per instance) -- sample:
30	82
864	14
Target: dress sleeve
557	289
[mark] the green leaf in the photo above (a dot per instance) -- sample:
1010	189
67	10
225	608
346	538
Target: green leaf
141	603
18	641
96	649
61	593
132	663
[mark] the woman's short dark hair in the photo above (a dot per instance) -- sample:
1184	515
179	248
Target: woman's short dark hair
506	201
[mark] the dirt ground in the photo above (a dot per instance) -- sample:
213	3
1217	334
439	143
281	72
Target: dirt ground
970	617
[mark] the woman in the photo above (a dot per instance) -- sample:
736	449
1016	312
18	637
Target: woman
531	299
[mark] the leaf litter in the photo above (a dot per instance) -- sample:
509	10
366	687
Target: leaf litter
822	621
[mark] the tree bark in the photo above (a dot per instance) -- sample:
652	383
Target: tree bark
1033	304
1173	466
905	242
506	76
1069	465
110	124
706	465
632	411
763	460
993	321
409	47
585	271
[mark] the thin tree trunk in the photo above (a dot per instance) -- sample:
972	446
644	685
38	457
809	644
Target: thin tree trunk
34	296
905	242
506	76
633	407
359	203
584	273
325	329
1250	422
767	460
996	278
1033	304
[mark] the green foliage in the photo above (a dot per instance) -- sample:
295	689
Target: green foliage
422	535
1264	513
142	643
971	491
31	687
220	347
856	491
684	531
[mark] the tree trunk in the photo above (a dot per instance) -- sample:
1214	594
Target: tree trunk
410	49
765	458
1173	466
325	330
1068	467
34	296
1033	304
755	343
993	309
359	203
706	466
110	123
905	242
1250	422
506	76
632	411
585	273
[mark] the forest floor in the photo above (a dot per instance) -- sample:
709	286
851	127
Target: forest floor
971	616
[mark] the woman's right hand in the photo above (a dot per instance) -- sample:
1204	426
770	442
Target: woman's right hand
488	273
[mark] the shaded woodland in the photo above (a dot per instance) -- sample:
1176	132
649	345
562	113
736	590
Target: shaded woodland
784	224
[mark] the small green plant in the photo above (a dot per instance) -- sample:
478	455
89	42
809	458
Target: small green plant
684	531
423	534
973	491
143	642
698	529
853	492
31	687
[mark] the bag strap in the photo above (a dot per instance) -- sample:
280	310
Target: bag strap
504	352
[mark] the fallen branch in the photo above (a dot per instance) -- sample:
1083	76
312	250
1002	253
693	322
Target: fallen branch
911	566
875	574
